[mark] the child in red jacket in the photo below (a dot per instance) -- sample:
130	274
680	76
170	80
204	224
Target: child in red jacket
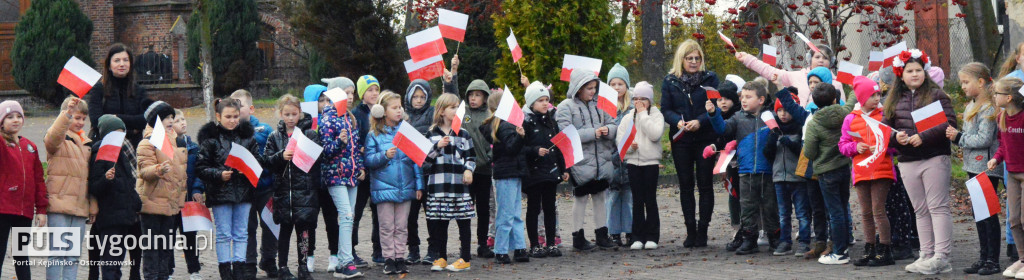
1008	96
23	195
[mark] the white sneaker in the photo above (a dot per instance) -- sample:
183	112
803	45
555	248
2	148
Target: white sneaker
916	266
762	239
937	265
332	263
310	263
637	245
1019	275
1012	270
834	259
650	245
195	276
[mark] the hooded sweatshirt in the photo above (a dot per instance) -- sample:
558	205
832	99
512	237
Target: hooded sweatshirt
422	117
599	154
474	118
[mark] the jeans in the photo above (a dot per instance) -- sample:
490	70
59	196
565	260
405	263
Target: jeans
819	214
619	204
231	222
330	214
686	157
268	242
646	223
835	191
508	222
792	197
64	272
344	198
393	229
157	260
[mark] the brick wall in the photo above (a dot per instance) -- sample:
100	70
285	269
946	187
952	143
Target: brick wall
101	12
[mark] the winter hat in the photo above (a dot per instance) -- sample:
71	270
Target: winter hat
157	109
822	73
938	76
10	106
730	90
108	123
736	80
337	82
535	91
417	84
618	72
364	83
313	92
864	88
643	89
778	104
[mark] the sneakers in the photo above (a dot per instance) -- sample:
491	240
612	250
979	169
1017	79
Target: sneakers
737	240
378	258
989	268
538	252
803	249
521	255
389	267
400	266
427	260
414	256
359	262
650	245
1013	269
915	267
553	251
502	259
459	265
195	276
439	265
637	245
332	263
937	265
783	249
833	259
347	271
974	267
762	239
310	263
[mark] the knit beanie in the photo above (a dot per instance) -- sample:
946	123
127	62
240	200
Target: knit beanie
10	106
337	82
157	109
313	92
937	75
535	91
108	123
822	73
643	89
730	90
864	88
618	72
364	83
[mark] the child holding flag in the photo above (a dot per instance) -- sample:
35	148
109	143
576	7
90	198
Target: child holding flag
641	160
113	185
194	185
1008	96
161	185
797	78
783	149
228	191
729	106
419	113
25	199
620	197
509	165
546	169
67	186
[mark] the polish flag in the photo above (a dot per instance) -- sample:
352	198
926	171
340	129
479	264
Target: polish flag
312	108
513	45
268	217
306	151
78	76
712	93
847	71
729	187
678	135
890	54
571	62
452	24
808	42
339	98
426	69
726	39
568	141
242	160
928	116
628	140
875	61
769	120
412	143
195	217
426	44
983	197
110	148
725	157
606	99
160	140
509	110
769	54
460	114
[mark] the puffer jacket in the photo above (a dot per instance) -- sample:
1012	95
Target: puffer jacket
342	161
880	167
599	154
785	154
508	161
161	195
392	180
539	130
21	179
683	99
650	126
474	119
933	141
214	146
821	139
67	158
751	136
978	140
295	191
119	203
424	116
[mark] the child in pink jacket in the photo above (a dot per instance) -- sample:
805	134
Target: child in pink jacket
796	78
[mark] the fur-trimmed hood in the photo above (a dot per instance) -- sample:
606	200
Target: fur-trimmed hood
213	130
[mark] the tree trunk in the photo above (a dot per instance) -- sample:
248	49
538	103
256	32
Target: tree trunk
653	40
206	60
411	20
982	30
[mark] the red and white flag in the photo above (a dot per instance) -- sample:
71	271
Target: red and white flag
509	110
769	120
452	24
160	140
267	215
891	53
678	135
847	71
313	109
568	142
880	135
808	42
726	39
606	99
242	160
306	151
460	114
78	76
513	45
339	98
724	157
572	62
875	61
412	143
426	69
729	187
983	197
769	54
626	141
712	93
426	44
110	148
195	217
929	116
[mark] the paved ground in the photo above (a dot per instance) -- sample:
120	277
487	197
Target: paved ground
670	261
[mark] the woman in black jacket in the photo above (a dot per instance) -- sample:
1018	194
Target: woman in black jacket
113	186
546	168
119	94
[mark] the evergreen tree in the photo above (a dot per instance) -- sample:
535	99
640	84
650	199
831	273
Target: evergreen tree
50	32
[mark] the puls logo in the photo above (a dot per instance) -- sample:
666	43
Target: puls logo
47	241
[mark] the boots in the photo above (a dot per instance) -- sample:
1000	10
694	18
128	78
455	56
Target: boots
883	256
225	271
269	266
737	240
303	271
702	235
285	274
602	238
617	240
691	235
869	254
816	249
749	245
238	271
250	270
580	242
